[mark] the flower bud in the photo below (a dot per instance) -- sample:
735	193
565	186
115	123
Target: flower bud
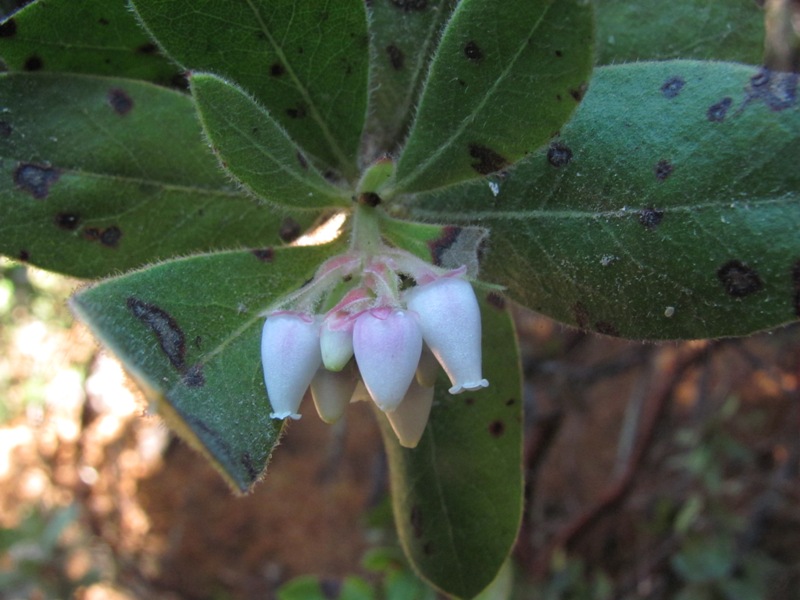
336	346
331	392
410	418
387	344
290	355
450	321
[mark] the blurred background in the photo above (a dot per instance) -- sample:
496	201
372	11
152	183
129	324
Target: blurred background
652	471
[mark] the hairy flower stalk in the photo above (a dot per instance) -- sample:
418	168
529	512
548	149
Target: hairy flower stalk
379	319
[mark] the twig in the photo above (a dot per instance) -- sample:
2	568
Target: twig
675	366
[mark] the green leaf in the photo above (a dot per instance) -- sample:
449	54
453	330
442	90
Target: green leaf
305	62
99	175
404	34
189	333
668	207
254	148
457	496
505	78
98	37
721	30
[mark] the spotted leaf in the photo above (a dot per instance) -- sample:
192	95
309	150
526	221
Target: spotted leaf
85	191
304	62
99	37
667	208
194	347
501	83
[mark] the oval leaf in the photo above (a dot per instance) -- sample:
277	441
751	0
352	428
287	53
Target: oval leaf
668	208
505	77
457	496
720	30
256	150
189	332
99	175
403	37
99	37
305	62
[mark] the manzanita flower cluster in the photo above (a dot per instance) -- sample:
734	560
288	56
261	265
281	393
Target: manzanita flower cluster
373	325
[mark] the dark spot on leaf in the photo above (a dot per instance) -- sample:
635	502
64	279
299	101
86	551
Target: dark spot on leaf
120	101
35	179
149	48
496	300
110	236
559	155
290	230
579	92
24	255
277	69
103	21
580	314
511	402
369	199
331	176
469	401
672	87
331	589
473	52
777	90
409	5
302	160
5	129
8	29
249	466
194	377
462	83
198	342
559	53
486	160
663	169
170	336
559	97
440	245
264	254
716	112
296	113
416	520
68	221
650	217
739	279
796	287
396	57
497	428
427	548
33	63
606	328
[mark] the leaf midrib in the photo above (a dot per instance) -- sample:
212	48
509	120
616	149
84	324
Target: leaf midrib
344	162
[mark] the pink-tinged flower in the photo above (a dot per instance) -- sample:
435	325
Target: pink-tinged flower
290	354
410	418
332	391
450	321
387	344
